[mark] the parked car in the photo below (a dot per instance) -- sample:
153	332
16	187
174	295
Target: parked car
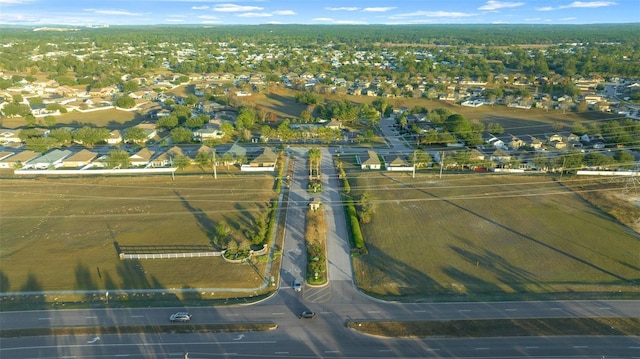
307	315
297	286
180	317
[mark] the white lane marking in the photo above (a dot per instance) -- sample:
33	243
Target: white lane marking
122	355
233	314
119	345
95	339
137	316
280	313
482	348
464	310
280	353
604	308
510	310
326	312
90	317
531	347
580	346
419	311
373	312
556	308
331	351
634	347
44	318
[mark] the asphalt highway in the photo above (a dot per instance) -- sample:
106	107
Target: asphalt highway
338	302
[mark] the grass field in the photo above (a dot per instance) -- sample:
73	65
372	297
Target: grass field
490	237
64	233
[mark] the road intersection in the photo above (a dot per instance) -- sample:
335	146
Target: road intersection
337	302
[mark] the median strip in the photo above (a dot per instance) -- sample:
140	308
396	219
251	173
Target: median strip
129	329
500	327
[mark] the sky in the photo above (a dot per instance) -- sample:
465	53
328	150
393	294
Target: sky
251	12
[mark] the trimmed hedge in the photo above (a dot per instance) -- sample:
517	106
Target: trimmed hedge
356	233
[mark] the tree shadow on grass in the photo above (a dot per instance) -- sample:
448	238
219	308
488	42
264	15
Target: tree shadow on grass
35	299
506	273
206	224
404	280
4	282
527	237
84	280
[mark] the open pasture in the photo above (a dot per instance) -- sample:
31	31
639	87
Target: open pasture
65	233
490	237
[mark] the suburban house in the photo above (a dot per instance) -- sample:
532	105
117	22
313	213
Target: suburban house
233	155
166	158
370	161
9	136
500	156
18	159
114	137
141	158
397	162
52	159
79	159
149	130
334	124
532	142
208	132
267	158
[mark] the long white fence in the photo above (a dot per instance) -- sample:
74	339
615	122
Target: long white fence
127	171
607	173
169	255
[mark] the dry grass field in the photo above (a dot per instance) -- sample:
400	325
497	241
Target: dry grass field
64	233
490	237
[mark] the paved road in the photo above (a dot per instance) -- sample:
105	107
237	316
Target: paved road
335	303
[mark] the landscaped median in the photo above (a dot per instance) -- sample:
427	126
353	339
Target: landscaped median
500	327
148	329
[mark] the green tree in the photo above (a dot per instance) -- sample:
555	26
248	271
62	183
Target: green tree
227	129
624	159
420	159
50	121
495	128
41	144
181	161
130	86
167	122
125	101
204	159
135	135
118	159
90	136
63	136
31	120
181	135
191	100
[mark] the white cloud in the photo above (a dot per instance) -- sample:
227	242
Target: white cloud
284	12
15	2
498	22
203	7
453	14
327	19
350	22
567	19
113	12
379	9
255	14
579	4
589	4
174	20
495	5
344	8
235	8
208	17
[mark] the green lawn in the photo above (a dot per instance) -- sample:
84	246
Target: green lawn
490	237
64	233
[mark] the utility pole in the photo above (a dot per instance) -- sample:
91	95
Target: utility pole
215	172
414	164
441	162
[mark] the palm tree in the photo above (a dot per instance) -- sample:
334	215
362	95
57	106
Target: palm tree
314	161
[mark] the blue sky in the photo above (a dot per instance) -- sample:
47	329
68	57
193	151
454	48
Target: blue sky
224	12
